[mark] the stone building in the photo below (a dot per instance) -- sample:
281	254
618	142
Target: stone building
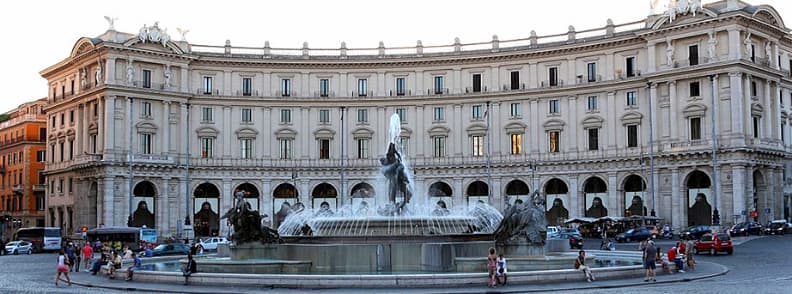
23	136
576	117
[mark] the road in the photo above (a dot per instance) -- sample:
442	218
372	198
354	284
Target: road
35	274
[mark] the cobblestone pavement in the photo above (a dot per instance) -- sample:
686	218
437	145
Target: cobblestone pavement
757	266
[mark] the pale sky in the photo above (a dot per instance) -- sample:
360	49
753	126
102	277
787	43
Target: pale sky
37	34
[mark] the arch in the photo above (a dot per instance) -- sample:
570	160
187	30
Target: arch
694	110
478	188
595	185
555	186
169	45
517	187
634	183
632	118
93	201
362	190
634	189
144	194
144	189
757	110
206	190
84	45
206	208
324	190
770	14
664	21
285	190
440	189
699	209
251	191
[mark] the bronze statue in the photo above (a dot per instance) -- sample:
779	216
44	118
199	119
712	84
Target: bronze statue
398	181
596	209
523	222
247	223
142	216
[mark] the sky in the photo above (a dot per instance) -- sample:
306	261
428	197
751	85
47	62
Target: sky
40	33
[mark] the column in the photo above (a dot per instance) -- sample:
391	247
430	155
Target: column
672	110
774	60
459	194
456	120
265	145
166	105
419	81
495	129
678	203
497	196
767	116
457	82
657	111
110	70
79	127
226	202
129	129
747	98
651	57
611	122
571	69
613	196
738	193
184	79
185	205
305	83
162	211
86	114
227	83
266	201
420	118
735	50
534	127
776	111
377	124
573	124
227	130
609	66
108	202
533	75
735	84
381	89
107	118
574	195
494	78
184	133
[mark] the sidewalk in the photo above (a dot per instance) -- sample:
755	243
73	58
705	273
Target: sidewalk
703	270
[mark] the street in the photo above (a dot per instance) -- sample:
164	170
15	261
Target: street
757	266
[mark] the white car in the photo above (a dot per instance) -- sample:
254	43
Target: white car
553	232
211	243
17	247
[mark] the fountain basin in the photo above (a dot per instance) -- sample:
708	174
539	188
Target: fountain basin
393	226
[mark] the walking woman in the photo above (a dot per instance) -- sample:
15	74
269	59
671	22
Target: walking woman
63	268
492	260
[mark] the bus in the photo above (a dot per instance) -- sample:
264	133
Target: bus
43	238
130	236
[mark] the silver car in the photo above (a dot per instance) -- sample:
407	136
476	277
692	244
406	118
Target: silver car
17	247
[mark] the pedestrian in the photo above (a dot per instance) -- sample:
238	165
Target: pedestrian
502	270
649	255
62	268
580	264
79	257
680	254
87	254
190	268
131	269
71	256
611	245
199	250
691	262
492	260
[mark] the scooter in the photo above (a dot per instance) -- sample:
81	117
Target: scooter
667	235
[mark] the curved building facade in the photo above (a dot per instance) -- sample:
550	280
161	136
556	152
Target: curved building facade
614	121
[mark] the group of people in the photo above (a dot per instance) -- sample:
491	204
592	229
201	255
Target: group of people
681	255
111	254
496	265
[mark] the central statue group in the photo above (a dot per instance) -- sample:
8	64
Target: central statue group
247	223
523	223
398	182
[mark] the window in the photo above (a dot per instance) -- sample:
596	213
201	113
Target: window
71	90
246	148
62	119
324	116
695	89
207	145
247	115
404	142
591	72
96	109
401	86
52	121
206	114
695	128
247	86
553	76
631	99
476	112
285	87
285	117
516	143
71	119
362	148
41	155
207	85
146	78
60	186
402	113
554	141
439	146
40	201
62	151
324	149
145	109
554	107
753	88
593	103
632	136
145	143
515	110
693	55
92	138
753	53
478	145
362	87
630	65
438	85
783	130
476	83
515	80
439	114
593	139
71	185
756	127
324	87
362	115
285	148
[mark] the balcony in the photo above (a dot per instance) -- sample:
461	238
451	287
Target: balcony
18	189
152	158
39	188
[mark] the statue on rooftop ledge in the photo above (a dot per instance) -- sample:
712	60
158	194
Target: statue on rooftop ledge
247	223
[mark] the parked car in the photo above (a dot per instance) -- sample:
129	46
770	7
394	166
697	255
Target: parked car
695	232
553	231
714	243
571	231
575	240
745	229
654	232
168	249
19	247
777	227
211	243
637	234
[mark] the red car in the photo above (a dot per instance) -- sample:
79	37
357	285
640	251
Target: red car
714	243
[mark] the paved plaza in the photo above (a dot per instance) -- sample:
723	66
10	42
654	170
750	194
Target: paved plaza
757	266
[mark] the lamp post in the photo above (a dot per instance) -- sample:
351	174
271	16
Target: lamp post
341	185
489	171
651	147
715	214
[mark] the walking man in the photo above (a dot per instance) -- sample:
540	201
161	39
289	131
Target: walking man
649	255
